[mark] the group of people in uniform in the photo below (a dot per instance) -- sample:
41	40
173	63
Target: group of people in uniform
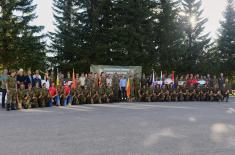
93	88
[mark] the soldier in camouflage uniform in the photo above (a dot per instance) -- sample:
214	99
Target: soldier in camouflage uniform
74	98
174	95
102	94
43	98
136	87
148	93
29	102
154	94
95	95
180	94
87	94
36	94
109	93
115	86
80	95
11	86
21	96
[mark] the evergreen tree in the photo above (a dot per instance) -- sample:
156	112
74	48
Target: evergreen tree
170	37
226	41
197	42
21	42
63	44
134	42
116	32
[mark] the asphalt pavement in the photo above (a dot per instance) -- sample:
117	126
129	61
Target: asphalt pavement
180	128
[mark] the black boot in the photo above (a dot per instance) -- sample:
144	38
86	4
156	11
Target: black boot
13	106
8	107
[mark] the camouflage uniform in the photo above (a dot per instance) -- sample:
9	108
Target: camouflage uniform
43	99
74	98
11	94
109	93
95	96
136	87
29	102
21	93
87	94
36	95
115	86
102	95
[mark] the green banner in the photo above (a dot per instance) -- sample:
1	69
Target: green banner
126	70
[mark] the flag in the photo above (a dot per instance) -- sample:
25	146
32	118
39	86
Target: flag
128	88
57	78
153	80
74	81
173	76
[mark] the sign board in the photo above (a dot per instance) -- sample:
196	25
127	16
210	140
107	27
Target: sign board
126	70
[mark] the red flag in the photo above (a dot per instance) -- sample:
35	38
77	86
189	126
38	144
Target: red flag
173	76
74	81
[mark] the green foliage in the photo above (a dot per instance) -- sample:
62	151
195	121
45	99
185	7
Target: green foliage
170	37
21	43
226	41
197	42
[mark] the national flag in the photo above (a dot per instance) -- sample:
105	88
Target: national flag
173	76
57	78
74	81
153	78
128	88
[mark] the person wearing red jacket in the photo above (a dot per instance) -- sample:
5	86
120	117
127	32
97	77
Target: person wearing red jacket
67	94
53	95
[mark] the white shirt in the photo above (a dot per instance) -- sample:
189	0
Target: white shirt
109	81
82	80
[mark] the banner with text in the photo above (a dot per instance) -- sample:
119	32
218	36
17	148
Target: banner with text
126	70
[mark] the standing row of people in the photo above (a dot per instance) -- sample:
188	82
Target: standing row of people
32	91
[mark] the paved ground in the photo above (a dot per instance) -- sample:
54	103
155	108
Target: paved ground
188	128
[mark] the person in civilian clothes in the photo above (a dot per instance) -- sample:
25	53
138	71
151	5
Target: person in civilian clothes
20	78
37	78
66	95
53	95
28	79
3	86
122	84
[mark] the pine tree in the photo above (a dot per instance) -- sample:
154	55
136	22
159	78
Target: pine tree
21	42
134	33
63	44
226	41
197	42
170	37
116	32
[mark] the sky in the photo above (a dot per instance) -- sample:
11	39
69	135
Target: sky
213	10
